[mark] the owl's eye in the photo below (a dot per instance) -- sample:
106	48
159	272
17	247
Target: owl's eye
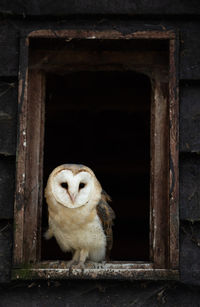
81	185
64	185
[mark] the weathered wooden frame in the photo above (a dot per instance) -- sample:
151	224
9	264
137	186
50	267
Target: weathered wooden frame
164	216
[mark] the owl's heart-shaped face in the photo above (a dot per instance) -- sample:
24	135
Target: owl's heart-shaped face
72	190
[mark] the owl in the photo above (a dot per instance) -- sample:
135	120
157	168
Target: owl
79	216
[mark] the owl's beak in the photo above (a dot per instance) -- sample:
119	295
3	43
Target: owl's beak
72	196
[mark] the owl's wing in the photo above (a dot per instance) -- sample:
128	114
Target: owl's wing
106	215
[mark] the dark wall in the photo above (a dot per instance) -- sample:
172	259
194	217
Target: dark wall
19	17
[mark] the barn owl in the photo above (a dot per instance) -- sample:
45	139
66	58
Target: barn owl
79	216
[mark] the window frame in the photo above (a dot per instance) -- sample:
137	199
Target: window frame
164	253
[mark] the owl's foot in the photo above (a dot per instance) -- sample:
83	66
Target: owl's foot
78	260
80	265
77	266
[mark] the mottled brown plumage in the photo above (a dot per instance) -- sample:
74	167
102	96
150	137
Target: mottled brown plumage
106	215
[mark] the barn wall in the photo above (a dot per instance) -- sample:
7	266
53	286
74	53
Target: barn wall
18	18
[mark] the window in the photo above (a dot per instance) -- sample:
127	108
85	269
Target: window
125	88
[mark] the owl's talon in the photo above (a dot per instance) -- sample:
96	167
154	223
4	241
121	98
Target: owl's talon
76	266
81	266
71	263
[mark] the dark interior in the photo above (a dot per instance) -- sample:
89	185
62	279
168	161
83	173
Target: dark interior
102	119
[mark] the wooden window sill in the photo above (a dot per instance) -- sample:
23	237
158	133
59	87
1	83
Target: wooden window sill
105	270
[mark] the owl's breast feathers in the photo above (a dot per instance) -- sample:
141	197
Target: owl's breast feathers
106	215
